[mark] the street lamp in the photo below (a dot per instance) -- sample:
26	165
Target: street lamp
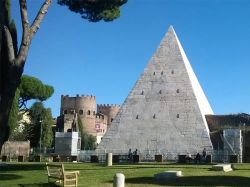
41	129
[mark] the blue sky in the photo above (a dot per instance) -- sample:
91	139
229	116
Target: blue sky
105	59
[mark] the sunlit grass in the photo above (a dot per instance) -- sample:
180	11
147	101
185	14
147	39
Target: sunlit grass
98	175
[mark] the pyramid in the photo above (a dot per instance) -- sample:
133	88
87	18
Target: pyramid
165	110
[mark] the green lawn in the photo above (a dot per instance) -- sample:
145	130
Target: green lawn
98	175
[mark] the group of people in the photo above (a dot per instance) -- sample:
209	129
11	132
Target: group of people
198	157
130	154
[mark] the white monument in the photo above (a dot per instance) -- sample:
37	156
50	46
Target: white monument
165	111
67	143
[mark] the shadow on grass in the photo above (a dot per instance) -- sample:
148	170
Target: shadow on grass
38	185
194	181
18	167
9	177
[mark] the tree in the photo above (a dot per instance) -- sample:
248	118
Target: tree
14	114
95	10
12	59
30	88
33	88
88	141
40	118
7	94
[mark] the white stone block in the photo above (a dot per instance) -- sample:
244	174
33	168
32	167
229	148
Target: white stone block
222	167
167	175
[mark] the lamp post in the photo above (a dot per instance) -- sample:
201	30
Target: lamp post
41	129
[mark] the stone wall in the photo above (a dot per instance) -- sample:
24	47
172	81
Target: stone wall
16	148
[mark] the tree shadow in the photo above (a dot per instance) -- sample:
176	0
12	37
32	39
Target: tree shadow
9	176
194	181
18	167
38	185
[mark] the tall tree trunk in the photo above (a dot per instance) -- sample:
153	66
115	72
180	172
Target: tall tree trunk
12	61
11	83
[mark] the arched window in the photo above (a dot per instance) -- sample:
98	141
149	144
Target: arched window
88	112
154	116
178	90
178	115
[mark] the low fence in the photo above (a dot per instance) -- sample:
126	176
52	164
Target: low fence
13	150
151	156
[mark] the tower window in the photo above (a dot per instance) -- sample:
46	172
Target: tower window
172	72
88	112
154	73
142	92
137	116
178	90
178	115
162	73
160	92
65	112
154	116
111	119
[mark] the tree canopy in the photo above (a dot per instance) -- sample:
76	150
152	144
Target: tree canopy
33	88
95	10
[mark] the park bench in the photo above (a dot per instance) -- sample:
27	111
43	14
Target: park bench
57	174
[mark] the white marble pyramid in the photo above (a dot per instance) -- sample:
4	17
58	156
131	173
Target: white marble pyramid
165	111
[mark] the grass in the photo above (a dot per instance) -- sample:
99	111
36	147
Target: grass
137	175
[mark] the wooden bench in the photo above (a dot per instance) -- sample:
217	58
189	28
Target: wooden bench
57	174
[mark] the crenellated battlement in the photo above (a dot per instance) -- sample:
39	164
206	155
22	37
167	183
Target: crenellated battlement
108	106
90	97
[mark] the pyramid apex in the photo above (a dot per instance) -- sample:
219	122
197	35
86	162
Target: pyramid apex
171	29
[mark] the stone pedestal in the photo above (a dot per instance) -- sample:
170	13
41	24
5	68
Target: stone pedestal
109	159
119	180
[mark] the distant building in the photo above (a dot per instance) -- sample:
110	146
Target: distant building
95	118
